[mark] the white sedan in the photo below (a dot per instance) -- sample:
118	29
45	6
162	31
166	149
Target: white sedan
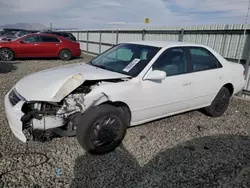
129	84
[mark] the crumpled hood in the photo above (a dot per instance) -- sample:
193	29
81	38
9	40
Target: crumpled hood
55	83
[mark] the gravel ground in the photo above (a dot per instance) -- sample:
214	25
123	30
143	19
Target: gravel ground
187	150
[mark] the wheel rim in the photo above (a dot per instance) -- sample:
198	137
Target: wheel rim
6	55
105	131
221	102
65	54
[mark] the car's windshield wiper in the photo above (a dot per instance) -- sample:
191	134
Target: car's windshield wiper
106	68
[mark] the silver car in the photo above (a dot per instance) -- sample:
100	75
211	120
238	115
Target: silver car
13	35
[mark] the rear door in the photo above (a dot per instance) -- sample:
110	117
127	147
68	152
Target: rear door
28	47
208	76
50	46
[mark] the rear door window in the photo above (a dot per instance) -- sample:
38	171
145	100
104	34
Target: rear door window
202	59
49	39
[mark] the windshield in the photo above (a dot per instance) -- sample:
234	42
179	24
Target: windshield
129	59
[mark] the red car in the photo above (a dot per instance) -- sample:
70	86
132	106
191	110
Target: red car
39	45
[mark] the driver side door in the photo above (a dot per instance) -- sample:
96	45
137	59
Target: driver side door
28	47
171	95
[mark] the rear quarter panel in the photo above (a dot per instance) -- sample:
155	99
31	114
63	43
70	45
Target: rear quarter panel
232	72
74	47
236	76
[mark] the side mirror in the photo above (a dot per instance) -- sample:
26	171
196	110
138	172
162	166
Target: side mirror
21	42
156	75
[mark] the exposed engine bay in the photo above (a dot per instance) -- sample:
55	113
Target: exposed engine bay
44	120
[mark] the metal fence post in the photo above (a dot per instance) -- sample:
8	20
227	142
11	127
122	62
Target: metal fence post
78	35
117	36
112	32
143	34
87	41
247	69
181	35
100	42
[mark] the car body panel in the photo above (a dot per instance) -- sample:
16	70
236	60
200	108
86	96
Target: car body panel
26	50
48	49
30	86
147	100
14	115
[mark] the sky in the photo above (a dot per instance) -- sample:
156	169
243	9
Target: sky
99	14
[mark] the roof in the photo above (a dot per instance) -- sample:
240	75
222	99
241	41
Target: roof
163	43
43	34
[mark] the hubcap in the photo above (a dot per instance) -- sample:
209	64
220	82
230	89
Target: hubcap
105	131
65	54
6	55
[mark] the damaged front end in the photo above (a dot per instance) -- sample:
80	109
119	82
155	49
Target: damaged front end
45	120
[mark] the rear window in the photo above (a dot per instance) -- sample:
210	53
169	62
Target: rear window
65	35
49	39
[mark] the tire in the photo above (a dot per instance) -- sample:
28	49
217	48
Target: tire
219	104
95	129
65	55
6	54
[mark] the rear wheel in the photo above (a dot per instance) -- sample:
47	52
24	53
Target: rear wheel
65	55
6	54
219	104
101	129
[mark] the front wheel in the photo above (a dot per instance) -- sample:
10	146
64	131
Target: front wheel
101	129
219	104
65	55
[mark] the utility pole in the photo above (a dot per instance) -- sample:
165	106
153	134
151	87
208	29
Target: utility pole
50	26
245	30
248	58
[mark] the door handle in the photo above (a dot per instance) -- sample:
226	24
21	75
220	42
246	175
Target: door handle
57	44
36	44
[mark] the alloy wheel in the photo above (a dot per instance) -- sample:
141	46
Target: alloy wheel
6	55
65	55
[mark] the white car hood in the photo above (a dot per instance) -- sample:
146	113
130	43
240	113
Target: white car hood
55	83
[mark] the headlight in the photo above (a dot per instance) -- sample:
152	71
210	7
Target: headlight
15	97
